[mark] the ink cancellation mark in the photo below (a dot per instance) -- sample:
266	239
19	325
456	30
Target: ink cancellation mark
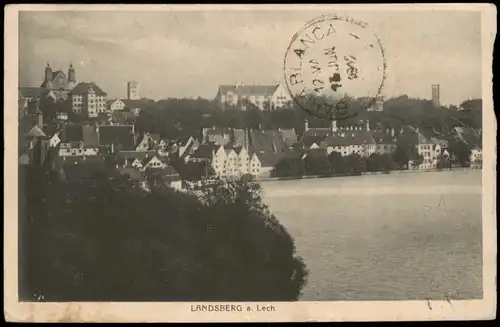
330	60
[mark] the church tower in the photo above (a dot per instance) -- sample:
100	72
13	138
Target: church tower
48	77
71	77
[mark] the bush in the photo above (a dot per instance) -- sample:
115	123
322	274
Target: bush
289	167
107	239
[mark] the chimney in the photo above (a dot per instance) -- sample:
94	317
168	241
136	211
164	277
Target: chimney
306	125
334	125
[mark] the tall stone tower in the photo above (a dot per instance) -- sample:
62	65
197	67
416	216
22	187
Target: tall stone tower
435	95
48	77
71	77
132	90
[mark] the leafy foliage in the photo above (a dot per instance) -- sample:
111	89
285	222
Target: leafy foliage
289	167
107	239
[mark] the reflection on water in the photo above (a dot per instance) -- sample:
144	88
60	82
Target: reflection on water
385	237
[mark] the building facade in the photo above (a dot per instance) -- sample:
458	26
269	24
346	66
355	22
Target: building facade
88	99
58	82
114	105
263	97
132	90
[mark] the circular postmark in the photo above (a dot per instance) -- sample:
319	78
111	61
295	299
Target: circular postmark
334	67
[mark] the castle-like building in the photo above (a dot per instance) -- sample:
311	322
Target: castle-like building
58	82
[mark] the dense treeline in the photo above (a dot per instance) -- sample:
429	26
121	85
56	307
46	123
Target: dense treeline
106	239
174	118
405	157
178	118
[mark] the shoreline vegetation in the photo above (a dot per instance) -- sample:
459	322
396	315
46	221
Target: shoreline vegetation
273	179
109	238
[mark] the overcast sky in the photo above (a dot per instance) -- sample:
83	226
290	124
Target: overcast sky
189	53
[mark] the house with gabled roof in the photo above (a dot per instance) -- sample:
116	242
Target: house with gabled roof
217	135
127	159
115	105
258	96
152	163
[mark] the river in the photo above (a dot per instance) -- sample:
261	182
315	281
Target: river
408	236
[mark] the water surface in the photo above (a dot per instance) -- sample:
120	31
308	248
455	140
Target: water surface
385	237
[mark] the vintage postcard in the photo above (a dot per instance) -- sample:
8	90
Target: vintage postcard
249	163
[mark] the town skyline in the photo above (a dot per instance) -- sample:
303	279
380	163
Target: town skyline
436	51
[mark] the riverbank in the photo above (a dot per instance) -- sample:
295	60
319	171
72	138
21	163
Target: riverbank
273	179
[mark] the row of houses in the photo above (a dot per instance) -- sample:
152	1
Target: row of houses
270	145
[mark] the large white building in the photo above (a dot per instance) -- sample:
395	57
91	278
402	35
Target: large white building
263	97
88	99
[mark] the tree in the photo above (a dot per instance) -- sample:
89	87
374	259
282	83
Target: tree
373	162
338	163
193	171
356	164
406	151
317	165
442	162
416	161
289	167
460	151
386	162
108	239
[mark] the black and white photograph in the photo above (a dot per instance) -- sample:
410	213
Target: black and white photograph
249	163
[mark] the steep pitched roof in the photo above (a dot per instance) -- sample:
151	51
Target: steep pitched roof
318	132
30	92
89	136
205	151
270	159
35	131
146	160
238	137
307	141
267	141
54	75
83	88
171	174
349	138
117	135
72	133
289	136
249	90
155	136
383	138
442	143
